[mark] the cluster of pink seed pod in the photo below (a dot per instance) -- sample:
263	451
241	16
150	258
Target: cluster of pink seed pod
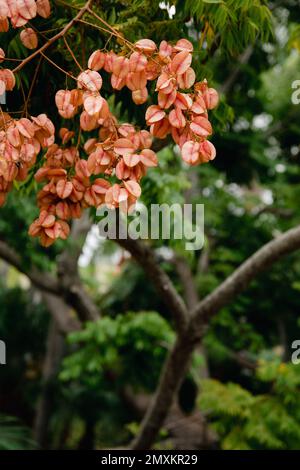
72	183
183	105
19	12
20	142
119	156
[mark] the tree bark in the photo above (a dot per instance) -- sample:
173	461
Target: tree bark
54	354
146	257
171	378
67	284
178	360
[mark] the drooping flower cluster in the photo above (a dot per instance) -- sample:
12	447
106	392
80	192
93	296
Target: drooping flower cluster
118	156
183	105
19	12
72	183
20	143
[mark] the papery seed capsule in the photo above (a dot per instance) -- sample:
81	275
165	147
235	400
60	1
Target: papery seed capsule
161	129
109	60
140	96
148	158
176	118
152	70
101	186
35	228
137	62
154	114
165	101
96	61
136	80
93	104
183	101
183	45
199	106
190	152
133	188
25	127
26	9
64	229
165	83
207	151
62	210
82	170
120	67
43	8
4	25
122	171
187	79
4	10
7	76
90	145
123	147
64	189
2	55
90	80
211	98
46	220
146	45
165	50
117	82
145	139
131	160
29	38
201	126
181	62
87	122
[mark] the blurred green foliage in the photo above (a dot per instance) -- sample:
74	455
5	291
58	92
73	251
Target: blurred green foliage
246	421
130	347
13	436
104	359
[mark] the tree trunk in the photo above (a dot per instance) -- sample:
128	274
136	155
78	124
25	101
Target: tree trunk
54	354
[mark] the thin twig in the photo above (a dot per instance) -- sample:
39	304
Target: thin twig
113	30
32	85
96	26
72	54
54	38
58	67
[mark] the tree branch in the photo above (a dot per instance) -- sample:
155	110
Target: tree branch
54	38
40	279
52	361
242	60
68	285
241	278
61	314
178	360
67	271
171	378
187	280
146	257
